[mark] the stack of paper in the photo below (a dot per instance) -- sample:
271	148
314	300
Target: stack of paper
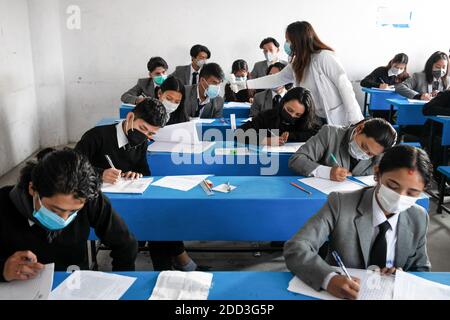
92	285
178	285
327	186
290	147
179	138
182	183
411	287
34	289
127	186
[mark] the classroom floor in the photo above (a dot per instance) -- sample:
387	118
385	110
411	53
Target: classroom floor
257	258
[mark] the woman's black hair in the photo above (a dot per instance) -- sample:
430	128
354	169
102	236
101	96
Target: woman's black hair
401	58
380	130
239	65
435	57
404	156
174	84
61	172
303	96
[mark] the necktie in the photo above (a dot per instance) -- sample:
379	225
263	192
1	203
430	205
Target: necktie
435	86
379	247
276	101
194	77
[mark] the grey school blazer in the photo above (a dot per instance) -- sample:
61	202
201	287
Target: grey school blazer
213	109
183	73
143	86
260	69
317	150
417	84
346	222
261	102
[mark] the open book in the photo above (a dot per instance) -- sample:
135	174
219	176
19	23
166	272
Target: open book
179	138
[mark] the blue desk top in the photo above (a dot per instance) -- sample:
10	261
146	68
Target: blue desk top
377	90
445	170
405	102
223	122
236	285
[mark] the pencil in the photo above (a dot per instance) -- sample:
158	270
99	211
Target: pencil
301	188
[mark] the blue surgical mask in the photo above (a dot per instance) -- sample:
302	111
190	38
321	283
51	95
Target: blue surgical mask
51	220
212	91
241	78
287	48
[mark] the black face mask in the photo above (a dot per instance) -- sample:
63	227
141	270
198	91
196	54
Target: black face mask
135	137
287	118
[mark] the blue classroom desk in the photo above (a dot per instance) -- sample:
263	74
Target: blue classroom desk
255	164
444	121
375	99
240	111
259	209
236	285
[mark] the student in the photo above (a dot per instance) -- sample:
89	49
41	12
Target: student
315	67
188	75
270	98
202	99
385	76
47	217
294	119
271	51
240	71
171	94
126	144
145	87
356	149
378	226
428	83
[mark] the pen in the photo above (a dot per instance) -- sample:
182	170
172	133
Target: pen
333	157
301	188
228	186
109	161
273	134
382	80
341	264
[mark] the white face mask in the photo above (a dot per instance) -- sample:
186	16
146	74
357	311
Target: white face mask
356	152
395	71
270	56
170	106
393	202
200	63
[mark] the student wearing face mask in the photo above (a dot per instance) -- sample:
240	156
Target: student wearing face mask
383	77
189	74
271	50
240	71
337	152
269	99
157	68
379	226
203	99
294	120
427	84
171	94
48	215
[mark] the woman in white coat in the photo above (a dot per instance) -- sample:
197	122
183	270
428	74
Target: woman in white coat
313	65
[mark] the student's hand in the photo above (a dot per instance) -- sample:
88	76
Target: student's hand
383	86
111	175
273	141
344	288
425	96
22	265
339	174
434	93
251	100
387	271
139	100
131	175
285	136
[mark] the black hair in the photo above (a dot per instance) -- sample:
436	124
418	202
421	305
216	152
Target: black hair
151	111
212	69
403	59
303	96
269	40
174	84
156	62
380	130
404	156
61	172
435	57
278	65
195	50
239	65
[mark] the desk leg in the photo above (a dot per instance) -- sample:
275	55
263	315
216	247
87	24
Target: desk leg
93	247
365	105
441	194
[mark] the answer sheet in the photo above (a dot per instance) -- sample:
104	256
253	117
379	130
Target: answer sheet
179	285
327	186
290	147
137	186
411	287
182	183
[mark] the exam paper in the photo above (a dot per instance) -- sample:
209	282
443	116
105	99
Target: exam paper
224	188
92	285
327	186
236	104
417	101
290	147
127	186
175	147
411	287
199	120
390	88
374	286
182	183
185	132
178	285
34	289
231	151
